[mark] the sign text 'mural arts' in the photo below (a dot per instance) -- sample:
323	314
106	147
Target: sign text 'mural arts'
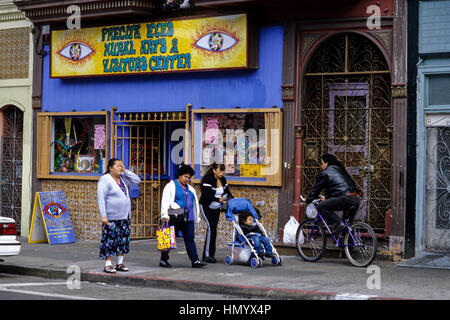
163	46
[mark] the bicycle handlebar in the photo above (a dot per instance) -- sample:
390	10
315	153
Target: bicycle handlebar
303	200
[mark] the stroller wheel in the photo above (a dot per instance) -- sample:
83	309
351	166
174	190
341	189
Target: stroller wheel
228	260
260	262
254	262
276	260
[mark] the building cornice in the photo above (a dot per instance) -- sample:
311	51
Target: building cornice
45	11
9	12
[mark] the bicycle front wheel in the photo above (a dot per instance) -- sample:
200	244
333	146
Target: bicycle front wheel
360	244
310	240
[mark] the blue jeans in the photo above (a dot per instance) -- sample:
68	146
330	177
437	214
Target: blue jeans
259	241
188	231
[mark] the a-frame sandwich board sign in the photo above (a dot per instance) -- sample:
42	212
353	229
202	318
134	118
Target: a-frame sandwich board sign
51	219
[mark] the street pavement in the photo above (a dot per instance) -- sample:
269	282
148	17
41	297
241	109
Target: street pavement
331	278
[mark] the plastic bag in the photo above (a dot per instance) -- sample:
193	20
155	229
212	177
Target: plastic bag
311	211
166	238
301	237
290	230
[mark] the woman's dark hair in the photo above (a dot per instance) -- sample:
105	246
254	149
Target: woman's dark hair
111	162
185	169
214	166
332	160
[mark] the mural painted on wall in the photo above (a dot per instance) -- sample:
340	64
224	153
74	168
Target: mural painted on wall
82	203
162	46
265	199
81	198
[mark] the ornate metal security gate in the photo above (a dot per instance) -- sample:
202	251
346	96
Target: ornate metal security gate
347	112
11	164
437	184
139	139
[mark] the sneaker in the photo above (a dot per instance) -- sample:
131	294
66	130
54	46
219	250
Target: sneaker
210	260
198	264
165	264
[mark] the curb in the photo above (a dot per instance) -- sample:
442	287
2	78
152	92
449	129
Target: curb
189	285
333	252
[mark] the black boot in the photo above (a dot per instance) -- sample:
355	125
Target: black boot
164	264
337	228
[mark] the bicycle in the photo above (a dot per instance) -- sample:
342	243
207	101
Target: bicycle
358	240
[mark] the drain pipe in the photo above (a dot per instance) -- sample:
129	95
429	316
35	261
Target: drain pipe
297	208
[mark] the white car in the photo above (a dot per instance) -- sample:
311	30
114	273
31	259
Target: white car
9	246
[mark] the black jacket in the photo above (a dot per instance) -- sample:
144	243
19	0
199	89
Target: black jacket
209	187
249	229
336	181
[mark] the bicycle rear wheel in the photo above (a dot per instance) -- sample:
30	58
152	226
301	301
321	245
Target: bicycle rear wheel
362	247
310	240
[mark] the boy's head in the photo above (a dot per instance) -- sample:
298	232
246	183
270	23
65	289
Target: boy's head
247	218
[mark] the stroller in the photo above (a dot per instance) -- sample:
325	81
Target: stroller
242	249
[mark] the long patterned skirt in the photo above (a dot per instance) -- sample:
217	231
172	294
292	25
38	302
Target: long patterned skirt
115	239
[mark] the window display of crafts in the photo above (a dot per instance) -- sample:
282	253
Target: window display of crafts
84	163
78	145
237	140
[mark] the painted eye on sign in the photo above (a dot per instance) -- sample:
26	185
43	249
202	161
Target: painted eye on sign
211	43
216	41
51	219
76	51
54	210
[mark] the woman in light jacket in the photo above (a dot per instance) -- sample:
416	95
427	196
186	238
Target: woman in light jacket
114	204
179	194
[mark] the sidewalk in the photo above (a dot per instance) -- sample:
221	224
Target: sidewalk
328	279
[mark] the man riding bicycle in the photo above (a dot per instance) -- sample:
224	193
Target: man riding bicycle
341	193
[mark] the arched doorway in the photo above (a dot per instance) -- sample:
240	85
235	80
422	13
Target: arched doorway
11	163
347	111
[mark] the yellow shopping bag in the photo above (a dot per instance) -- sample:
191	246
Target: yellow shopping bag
166	237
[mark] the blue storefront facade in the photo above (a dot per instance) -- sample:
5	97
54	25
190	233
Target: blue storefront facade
188	97
259	88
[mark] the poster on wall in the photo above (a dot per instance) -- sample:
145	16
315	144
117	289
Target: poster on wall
212	43
51	219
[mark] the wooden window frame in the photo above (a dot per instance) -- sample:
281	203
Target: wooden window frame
274	180
44	133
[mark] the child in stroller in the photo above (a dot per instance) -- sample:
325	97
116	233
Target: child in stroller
244	249
261	244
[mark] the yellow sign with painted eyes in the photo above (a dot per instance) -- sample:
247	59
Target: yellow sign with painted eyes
212	43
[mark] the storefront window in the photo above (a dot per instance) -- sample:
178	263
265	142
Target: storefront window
78	145
247	143
72	144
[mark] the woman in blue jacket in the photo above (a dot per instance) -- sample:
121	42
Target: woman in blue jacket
179	194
